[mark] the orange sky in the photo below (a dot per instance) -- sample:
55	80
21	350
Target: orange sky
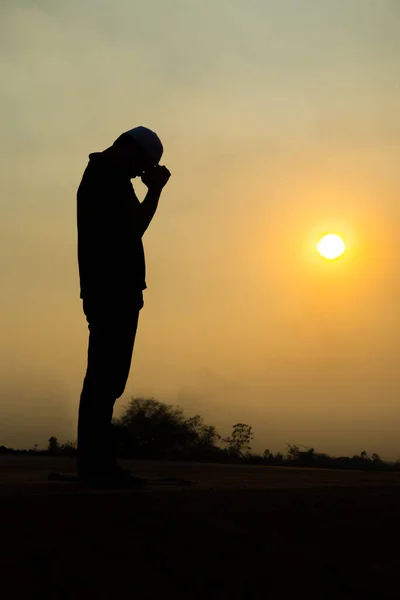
280	123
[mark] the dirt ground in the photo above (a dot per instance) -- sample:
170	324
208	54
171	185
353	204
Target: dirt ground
238	532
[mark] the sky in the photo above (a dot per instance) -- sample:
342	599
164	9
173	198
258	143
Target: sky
279	120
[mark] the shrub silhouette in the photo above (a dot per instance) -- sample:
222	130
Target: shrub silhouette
152	429
149	428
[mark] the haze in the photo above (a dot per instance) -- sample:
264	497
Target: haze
280	123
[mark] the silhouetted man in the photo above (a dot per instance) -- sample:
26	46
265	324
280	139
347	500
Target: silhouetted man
111	222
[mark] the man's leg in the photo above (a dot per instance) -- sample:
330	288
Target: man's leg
112	326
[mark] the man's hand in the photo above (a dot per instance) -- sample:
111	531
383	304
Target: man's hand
156	178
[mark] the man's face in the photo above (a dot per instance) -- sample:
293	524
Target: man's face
140	163
133	159
136	161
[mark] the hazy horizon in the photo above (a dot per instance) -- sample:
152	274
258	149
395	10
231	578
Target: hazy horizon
279	121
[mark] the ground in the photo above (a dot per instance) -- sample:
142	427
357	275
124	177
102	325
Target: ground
239	532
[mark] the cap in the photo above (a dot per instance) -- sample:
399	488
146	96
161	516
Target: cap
148	140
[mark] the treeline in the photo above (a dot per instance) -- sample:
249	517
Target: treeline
149	429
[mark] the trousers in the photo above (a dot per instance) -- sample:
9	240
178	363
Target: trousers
112	324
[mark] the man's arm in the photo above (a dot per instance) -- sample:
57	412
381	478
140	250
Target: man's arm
155	180
148	207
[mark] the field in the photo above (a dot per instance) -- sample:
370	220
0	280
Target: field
238	532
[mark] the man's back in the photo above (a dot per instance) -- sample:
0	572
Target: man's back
110	249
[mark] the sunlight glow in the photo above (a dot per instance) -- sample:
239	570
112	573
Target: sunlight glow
331	246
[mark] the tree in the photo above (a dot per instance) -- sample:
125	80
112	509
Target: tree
240	440
200	434
53	447
307	457
68	449
150	428
293	452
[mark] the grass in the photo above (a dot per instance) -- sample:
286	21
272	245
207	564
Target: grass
241	532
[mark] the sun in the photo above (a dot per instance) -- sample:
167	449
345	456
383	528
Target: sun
331	246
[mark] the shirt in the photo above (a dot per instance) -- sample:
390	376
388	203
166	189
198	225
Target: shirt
110	250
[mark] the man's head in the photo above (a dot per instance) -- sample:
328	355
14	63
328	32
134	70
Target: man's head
138	150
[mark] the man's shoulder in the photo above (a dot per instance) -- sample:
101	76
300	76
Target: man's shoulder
95	157
92	173
95	166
